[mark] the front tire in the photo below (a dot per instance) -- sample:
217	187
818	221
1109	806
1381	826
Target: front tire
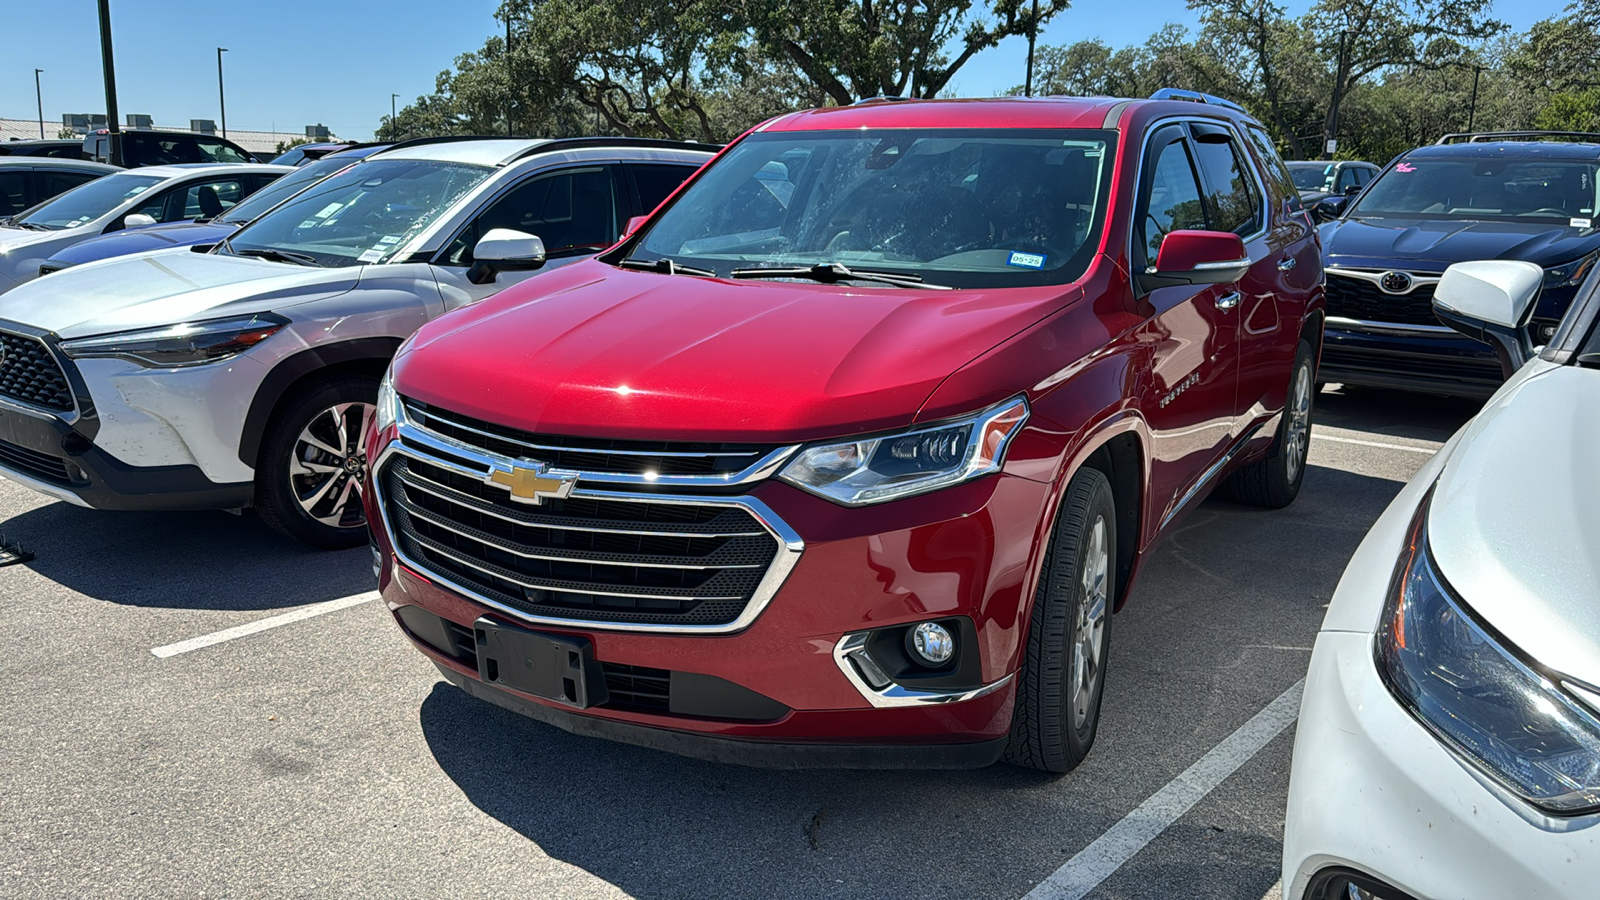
1273	481
1063	676
313	461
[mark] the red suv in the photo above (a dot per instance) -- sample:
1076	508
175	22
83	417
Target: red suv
847	454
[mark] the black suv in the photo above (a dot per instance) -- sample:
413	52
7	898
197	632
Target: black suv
161	148
1505	195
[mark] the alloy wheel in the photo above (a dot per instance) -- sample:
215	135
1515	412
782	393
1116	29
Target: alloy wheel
329	463
1088	648
1297	436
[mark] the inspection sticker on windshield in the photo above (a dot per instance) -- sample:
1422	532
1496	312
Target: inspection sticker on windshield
1026	260
388	239
1580	223
370	256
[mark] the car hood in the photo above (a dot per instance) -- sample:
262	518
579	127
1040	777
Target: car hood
1515	525
595	351
1433	244
17	238
164	288
142	240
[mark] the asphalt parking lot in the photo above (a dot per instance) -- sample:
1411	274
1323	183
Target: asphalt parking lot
325	757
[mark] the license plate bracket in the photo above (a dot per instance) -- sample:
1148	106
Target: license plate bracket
553	666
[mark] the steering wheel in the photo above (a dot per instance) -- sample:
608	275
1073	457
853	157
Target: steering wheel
1547	211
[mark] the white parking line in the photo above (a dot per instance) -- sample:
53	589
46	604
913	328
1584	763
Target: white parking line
1429	451
239	631
1096	862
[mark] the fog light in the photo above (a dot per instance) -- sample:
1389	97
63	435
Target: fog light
933	643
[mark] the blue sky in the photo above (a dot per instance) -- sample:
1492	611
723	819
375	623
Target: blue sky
292	64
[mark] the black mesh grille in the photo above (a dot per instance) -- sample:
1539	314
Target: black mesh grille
29	373
639	561
637	687
42	466
590	454
1356	298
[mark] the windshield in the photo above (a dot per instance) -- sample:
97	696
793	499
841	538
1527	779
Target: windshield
1309	176
287	186
1485	188
89	201
364	214
957	207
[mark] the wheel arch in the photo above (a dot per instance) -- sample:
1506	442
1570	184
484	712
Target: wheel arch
363	355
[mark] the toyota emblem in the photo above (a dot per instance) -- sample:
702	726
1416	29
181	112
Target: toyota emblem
1395	282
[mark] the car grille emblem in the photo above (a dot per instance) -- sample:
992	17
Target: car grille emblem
1395	282
534	483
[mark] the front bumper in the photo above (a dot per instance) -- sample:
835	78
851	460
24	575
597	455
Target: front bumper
962	556
1373	791
1411	357
46	453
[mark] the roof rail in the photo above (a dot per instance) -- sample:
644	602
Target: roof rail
1196	97
579	143
1479	137
443	139
883	98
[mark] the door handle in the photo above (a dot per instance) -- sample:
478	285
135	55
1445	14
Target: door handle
1285	265
1228	300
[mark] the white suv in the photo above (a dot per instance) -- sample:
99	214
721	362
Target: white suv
244	374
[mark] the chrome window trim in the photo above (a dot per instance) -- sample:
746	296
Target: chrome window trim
1396	328
412	443
896	695
760	470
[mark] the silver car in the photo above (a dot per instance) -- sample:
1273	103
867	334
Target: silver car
244	374
1449	736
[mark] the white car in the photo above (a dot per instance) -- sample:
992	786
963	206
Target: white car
243	374
1449	735
129	198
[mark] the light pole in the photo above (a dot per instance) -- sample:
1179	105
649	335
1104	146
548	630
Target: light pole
1033	34
510	88
1338	94
222	98
1472	108
394	127
39	98
113	131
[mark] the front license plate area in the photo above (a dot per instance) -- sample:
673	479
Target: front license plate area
553	666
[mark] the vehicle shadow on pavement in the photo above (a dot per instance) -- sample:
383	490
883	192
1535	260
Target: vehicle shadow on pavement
190	560
1220	624
1397	413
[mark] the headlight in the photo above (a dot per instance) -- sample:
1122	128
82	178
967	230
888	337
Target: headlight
389	411
1477	697
188	344
1569	273
887	467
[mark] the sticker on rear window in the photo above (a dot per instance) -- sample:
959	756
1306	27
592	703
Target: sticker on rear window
370	256
1580	223
1026	260
1405	167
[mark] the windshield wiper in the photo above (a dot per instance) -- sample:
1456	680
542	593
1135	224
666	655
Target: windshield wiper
289	256
665	267
832	273
31	226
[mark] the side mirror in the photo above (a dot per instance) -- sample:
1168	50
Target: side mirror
503	249
1351	190
1490	301
137	220
1197	257
633	225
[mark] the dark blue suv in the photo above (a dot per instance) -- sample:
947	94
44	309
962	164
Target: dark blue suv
1525	195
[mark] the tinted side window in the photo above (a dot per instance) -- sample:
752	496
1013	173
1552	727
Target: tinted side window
574	211
1230	192
214	150
196	201
1171	196
1272	164
1347	179
13	193
50	184
655	182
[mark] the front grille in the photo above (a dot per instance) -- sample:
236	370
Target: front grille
637	687
42	466
590	454
639	561
1356	298
28	372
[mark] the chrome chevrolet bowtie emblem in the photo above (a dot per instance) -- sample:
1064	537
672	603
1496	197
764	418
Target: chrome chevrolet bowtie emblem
533	483
1395	282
